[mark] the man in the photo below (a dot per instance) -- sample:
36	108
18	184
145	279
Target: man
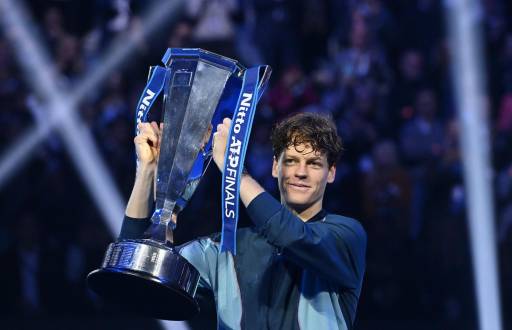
298	267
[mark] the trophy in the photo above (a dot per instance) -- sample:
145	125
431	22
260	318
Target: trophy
147	275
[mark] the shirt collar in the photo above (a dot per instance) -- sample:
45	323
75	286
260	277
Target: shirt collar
319	216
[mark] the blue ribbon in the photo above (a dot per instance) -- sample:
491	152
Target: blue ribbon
236	148
149	95
252	89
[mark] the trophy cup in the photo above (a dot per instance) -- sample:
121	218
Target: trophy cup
147	275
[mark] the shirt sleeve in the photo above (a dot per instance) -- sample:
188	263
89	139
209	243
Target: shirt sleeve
133	228
334	248
203	255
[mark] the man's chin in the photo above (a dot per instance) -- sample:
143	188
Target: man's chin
295	198
298	204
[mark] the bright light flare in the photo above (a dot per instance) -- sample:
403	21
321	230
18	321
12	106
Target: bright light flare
464	18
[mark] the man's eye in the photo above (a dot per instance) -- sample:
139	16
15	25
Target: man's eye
289	161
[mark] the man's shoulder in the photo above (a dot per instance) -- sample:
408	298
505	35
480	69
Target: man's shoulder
210	244
347	222
216	237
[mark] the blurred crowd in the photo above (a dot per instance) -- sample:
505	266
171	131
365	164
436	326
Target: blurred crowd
381	69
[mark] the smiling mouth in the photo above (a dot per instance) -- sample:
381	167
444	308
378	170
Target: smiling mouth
298	186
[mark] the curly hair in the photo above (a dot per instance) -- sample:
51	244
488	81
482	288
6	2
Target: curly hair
311	128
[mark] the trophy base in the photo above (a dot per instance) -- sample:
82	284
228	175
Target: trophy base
147	278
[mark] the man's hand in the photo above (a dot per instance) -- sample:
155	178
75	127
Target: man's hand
249	188
147	146
220	138
147	143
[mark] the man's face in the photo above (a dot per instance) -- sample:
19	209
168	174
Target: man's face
302	175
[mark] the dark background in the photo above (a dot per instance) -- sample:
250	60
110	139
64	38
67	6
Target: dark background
380	68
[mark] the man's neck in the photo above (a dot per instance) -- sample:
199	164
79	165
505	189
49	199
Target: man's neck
306	213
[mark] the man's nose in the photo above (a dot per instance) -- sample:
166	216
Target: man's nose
302	170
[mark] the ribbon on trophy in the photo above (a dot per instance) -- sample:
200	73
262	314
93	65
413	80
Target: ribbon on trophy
254	84
250	91
149	94
154	87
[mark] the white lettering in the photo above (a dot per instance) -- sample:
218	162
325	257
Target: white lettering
230	213
233	160
233	157
231	172
246	98
144	105
148	97
230	185
229	196
235	145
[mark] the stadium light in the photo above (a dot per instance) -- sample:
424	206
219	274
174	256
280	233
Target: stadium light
62	109
464	21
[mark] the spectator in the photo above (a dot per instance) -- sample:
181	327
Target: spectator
421	143
292	93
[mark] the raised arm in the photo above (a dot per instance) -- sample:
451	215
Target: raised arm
138	209
334	247
147	146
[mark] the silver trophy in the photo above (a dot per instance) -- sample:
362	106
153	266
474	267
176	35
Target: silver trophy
147	275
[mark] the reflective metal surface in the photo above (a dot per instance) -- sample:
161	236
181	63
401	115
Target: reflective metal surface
147	276
153	259
185	128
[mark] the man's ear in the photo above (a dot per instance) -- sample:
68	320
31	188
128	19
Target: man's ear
275	167
331	174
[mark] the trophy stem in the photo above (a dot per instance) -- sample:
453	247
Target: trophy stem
164	215
163	223
160	233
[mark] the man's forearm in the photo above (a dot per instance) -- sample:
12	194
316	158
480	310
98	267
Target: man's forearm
138	205
249	189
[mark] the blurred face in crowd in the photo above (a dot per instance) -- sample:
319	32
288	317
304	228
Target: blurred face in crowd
385	155
411	65
426	104
302	175
359	31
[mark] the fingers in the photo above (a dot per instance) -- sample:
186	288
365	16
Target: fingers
148	133
145	139
155	127
152	132
158	130
222	131
219	142
223	128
